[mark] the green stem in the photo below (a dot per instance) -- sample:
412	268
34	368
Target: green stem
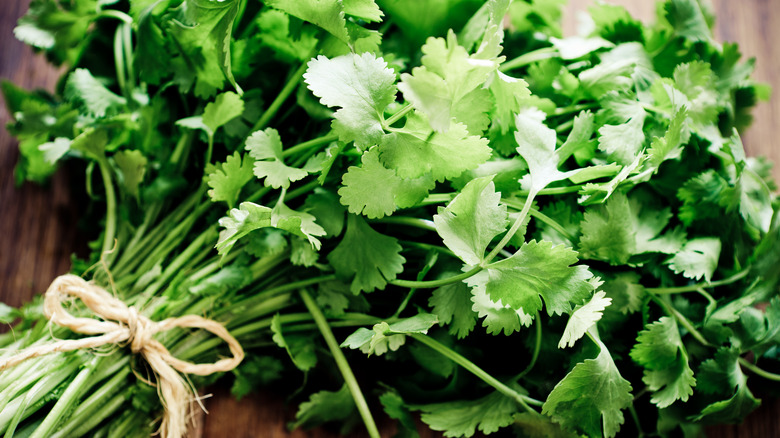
424	224
635	417
515	226
127	49
758	371
108	240
397	116
66	401
430	284
113	13
341	362
119	63
438	198
565	126
536	214
209	149
325	139
471	367
574	108
537	348
289	87
552	191
302	190
529	58
695	287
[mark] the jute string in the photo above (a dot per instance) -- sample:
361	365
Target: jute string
121	324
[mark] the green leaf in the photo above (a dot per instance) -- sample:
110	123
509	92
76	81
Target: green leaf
365	9
389	337
447	76
723	375
132	165
368	258
8	314
266	148
590	398
536	144
498	317
325	406
661	352
227	180
623	142
91	95
240	222
255	372
298	223
472	220
300	348
669	146
464	417
54	150
537	270
415	150
376	191
452	305
625	291
538	426
396	409
687	20
92	143
202	30
226	107
698	258
583	318
325	206
362	86
508	93
327	14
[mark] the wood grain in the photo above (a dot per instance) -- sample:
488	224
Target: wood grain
38	224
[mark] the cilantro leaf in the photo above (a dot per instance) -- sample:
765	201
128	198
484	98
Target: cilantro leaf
583	318
202	30
536	144
362	86
463	418
537	270
452	305
698	258
472	220
384	336
266	148
670	145
590	398
225	107
297	222
325	406
497	316
240	222
227	180
91	95
625	291
723	375
327	14
132	165
300	348
660	351
368	258
414	150
623	142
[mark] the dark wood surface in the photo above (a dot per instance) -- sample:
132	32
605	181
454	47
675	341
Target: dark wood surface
38	224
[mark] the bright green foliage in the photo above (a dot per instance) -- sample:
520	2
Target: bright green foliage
670	145
537	270
415	150
463	418
661	352
536	144
366	257
539	426
240	222
625	291
452	305
226	107
622	143
376	191
583	318
266	148
443	87
297	222
591	397
61	31
91	95
132	165
325	406
687	20
327	14
395	408
498	317
299	347
722	375
508	93
227	180
362	86
202	30
697	259
472	220
384	336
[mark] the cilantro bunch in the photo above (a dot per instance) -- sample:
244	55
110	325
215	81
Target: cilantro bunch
441	209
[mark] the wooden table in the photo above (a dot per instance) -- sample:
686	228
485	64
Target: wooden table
38	224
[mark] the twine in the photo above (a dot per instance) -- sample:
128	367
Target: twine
124	325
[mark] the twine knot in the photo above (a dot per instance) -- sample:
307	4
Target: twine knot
122	324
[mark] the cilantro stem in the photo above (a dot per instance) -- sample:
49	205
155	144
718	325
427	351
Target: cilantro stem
438	198
341	363
431	284
522	400
424	224
529	58
428	247
635	417
302	190
565	126
552	191
119	63
113	13
515	226
397	116
325	139
536	214
537	348
108	239
288	88
65	402
574	108
758	371
695	287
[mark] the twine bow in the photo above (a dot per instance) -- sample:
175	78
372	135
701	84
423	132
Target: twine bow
123	324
